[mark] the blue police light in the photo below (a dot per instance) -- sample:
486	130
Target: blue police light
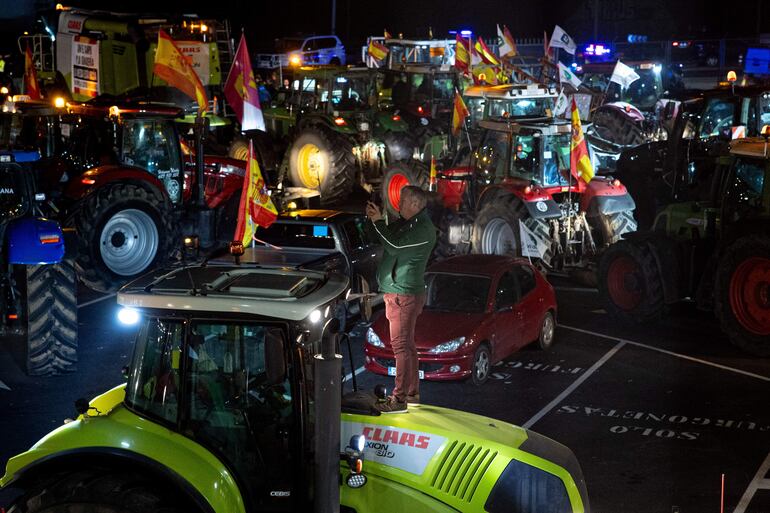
128	316
597	49
466	33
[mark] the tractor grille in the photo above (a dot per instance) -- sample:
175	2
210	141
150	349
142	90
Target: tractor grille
461	469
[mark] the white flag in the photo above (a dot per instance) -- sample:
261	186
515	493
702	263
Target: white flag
507	48
560	39
566	75
531	245
561	105
623	75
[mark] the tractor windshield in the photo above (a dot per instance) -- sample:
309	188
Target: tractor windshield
642	93
549	168
456	292
350	93
520	108
154	146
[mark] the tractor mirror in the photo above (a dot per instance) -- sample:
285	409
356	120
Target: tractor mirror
275	361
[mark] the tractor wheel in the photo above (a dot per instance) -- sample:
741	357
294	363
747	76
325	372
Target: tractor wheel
611	227
630	283
124	230
49	317
94	492
399	146
324	161
496	228
742	294
618	128
398	176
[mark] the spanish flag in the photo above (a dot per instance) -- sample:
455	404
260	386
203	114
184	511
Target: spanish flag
579	160
486	54
175	68
387	34
462	56
459	113
377	50
31	87
256	207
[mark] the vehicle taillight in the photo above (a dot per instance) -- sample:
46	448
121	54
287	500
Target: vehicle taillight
87	181
420	109
340	121
13	317
527	189
396	118
49	238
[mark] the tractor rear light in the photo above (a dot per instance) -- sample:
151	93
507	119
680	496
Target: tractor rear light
527	189
616	182
13	317
420	109
396	117
49	238
340	121
87	181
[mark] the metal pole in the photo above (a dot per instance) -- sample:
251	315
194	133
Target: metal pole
328	408
200	133
334	16
596	20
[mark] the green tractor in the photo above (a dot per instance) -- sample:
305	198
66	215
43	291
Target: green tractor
334	134
712	246
234	404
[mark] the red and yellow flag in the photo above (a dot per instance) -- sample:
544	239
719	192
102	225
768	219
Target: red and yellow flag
387	34
241	90
433	174
459	113
175	68
462	55
377	50
579	161
31	86
485	53
256	208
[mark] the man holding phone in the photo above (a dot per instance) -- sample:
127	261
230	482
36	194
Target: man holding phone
407	244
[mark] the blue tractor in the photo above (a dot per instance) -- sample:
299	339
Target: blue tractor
38	301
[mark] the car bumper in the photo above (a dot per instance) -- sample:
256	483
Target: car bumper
436	367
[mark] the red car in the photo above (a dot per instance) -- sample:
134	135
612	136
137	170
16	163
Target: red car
479	309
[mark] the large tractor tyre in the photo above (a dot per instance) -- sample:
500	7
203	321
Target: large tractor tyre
742	294
618	128
610	228
496	229
324	161
398	176
99	492
124	230
399	146
630	283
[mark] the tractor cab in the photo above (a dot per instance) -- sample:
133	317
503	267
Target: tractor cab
509	102
420	93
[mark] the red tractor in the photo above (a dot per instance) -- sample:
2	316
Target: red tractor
124	179
518	197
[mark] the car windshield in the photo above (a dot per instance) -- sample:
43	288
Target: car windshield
456	292
297	235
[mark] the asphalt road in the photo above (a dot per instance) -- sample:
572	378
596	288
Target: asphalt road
656	414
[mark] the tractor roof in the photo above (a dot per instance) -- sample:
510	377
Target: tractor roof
509	91
279	292
750	147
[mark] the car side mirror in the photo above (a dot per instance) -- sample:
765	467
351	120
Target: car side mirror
275	361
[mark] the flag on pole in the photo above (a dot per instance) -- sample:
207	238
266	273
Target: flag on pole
546	47
623	75
560	39
256	208
433	174
475	57
462	57
31	86
387	34
175	68
562	104
485	74
508	45
485	53
459	113
241	90
377	50
566	75
579	161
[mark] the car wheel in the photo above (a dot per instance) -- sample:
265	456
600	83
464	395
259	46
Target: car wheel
482	364
547	332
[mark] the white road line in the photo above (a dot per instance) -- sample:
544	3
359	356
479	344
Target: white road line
550	406
4	386
758	483
358	371
671	353
97	300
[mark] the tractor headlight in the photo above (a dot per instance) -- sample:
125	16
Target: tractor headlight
363	126
448	347
373	339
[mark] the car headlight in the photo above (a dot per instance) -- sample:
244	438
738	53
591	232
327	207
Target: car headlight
373	339
448	347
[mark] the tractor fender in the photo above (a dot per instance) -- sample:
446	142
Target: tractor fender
602	196
82	186
117	434
539	205
33	241
391	122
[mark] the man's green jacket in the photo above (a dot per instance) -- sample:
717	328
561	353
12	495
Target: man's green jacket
407	245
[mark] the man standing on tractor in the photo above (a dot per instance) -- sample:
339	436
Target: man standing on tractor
407	244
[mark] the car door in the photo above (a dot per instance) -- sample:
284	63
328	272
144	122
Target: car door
530	302
508	316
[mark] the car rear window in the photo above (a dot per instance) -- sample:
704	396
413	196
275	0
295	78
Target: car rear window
298	235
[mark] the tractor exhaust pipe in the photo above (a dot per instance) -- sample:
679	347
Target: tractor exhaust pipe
328	408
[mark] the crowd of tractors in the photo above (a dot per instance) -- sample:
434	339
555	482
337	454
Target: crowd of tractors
103	188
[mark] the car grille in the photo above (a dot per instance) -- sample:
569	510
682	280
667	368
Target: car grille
461	469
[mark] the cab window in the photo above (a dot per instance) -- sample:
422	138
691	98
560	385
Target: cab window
153	145
718	116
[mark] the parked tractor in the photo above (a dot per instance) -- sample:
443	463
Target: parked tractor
711	246
38	301
234	404
335	136
121	177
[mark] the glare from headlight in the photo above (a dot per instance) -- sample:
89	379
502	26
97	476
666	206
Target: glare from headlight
373	339
448	347
128	316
